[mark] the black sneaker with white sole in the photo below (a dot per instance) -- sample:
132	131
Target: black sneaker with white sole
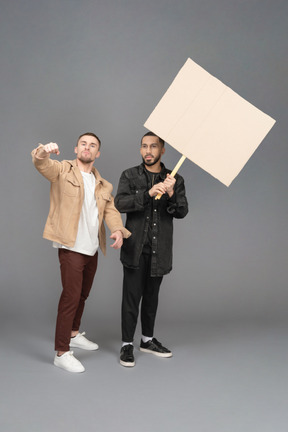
126	356
155	347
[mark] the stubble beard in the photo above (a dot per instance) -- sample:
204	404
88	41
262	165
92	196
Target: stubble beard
153	162
84	160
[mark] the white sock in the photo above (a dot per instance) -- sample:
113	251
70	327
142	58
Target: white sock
127	343
146	338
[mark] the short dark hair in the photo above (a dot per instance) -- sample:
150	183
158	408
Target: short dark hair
162	142
90	134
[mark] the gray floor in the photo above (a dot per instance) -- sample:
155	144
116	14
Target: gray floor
230	377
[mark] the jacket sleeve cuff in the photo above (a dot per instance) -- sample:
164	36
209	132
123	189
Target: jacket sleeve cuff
39	160
123	230
171	204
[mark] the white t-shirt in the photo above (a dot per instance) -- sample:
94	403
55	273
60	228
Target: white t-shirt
87	241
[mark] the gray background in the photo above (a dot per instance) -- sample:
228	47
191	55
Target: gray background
69	67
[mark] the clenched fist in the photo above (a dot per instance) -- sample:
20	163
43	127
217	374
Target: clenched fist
47	149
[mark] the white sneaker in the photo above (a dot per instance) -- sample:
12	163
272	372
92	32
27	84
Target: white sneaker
68	362
80	341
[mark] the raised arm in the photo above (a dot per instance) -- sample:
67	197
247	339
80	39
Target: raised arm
41	159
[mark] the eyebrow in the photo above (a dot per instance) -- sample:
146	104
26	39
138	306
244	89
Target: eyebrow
85	142
153	143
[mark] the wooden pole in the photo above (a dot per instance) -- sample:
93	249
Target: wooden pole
178	165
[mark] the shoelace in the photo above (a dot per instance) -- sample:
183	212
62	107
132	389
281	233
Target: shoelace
156	342
158	345
129	350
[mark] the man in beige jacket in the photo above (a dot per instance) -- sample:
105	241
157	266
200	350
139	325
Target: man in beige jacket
80	201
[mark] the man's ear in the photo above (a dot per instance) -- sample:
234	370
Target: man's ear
75	150
163	150
98	155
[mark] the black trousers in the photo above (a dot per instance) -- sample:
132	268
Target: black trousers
137	285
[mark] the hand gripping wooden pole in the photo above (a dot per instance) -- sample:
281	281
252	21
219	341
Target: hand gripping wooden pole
178	165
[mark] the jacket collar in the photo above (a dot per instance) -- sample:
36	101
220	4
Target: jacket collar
162	173
78	172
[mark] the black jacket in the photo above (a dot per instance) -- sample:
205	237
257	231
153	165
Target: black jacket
149	220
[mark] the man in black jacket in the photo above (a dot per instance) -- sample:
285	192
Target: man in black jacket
147	255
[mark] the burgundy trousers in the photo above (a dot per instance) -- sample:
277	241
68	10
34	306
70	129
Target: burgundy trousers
77	274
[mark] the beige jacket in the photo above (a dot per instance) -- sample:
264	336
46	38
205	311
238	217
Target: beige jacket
66	199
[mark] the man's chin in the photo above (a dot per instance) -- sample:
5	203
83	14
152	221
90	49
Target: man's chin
85	160
149	163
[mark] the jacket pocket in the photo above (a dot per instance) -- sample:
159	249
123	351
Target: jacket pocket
71	188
